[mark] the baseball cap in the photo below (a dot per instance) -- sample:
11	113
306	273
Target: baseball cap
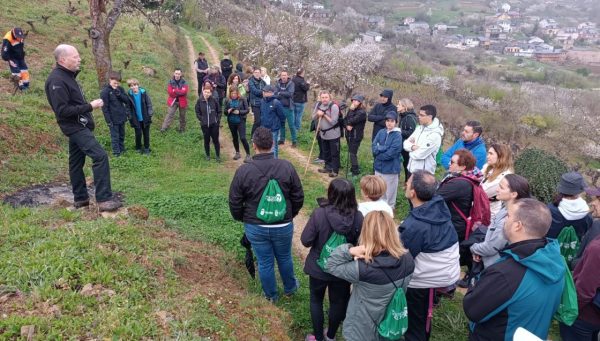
17	32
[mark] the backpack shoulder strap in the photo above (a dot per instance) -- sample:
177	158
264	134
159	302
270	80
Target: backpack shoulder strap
260	170
386	274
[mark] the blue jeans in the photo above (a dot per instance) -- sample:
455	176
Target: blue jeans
269	244
579	331
298	111
275	145
289	115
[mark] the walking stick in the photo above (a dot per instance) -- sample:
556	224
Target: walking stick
313	145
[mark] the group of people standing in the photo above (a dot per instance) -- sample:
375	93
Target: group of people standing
515	270
237	95
516	267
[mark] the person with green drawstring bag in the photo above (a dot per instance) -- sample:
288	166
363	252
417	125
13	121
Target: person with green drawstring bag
336	221
379	268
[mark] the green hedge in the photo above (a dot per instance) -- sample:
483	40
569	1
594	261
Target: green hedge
543	170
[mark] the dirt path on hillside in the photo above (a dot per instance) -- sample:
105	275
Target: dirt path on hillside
227	149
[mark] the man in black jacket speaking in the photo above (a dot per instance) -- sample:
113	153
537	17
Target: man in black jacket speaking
74	117
270	241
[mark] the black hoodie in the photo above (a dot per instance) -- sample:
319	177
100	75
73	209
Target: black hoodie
377	114
324	220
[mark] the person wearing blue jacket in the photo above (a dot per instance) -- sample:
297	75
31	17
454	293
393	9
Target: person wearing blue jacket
429	235
524	287
387	150
272	115
470	139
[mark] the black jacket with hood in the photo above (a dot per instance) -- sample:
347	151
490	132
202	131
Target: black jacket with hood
377	114
116	106
356	118
300	89
324	220
250	181
73	112
408	123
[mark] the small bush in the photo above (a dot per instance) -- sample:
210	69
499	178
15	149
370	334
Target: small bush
543	170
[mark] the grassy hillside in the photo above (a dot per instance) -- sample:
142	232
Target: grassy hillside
73	275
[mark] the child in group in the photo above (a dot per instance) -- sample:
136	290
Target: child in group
141	115
116	111
372	189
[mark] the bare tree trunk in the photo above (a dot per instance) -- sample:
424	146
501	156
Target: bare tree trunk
102	25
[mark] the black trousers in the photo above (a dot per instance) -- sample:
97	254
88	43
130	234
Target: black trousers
417	301
211	132
82	144
142	130
256	124
339	294
405	159
117	138
353	146
320	144
238	131
331	153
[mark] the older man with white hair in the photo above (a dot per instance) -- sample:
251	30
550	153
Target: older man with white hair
75	119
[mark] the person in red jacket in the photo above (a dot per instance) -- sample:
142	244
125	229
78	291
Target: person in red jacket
587	283
177	90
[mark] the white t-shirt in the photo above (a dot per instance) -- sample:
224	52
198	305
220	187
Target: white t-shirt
379	205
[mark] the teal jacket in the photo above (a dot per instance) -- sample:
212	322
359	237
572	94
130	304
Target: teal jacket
522	289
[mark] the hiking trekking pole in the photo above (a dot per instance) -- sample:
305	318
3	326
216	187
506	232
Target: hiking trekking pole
313	145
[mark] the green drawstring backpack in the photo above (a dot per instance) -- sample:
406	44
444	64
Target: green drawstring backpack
569	243
332	243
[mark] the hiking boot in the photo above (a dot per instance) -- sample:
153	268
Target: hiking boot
181	131
294	145
237	156
310	337
248	159
324	170
163	130
218	159
317	160
146	151
280	143
81	203
207	158
109	206
333	175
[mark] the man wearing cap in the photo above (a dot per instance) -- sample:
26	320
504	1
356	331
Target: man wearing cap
593	194
377	114
13	51
271	115
355	127
328	113
387	150
568	208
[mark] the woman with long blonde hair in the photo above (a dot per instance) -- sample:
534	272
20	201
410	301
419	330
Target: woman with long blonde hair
499	164
379	258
